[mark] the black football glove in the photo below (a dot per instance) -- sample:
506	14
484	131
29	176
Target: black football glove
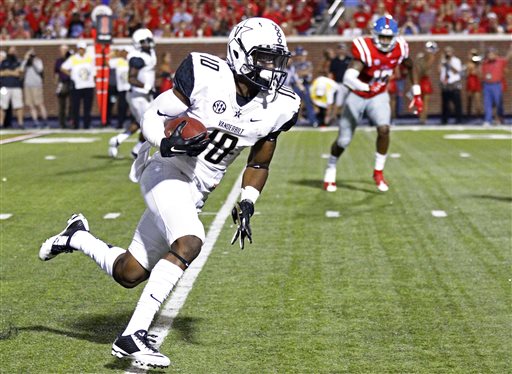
242	217
175	145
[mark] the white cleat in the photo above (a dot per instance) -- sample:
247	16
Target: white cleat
137	347
113	144
330	186
60	243
378	177
382	187
330	180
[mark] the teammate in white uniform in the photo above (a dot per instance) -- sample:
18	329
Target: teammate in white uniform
243	104
141	76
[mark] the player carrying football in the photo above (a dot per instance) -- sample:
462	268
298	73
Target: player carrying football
375	58
243	103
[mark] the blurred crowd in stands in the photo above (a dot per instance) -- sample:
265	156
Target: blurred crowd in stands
54	19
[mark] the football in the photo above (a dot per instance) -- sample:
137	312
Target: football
193	127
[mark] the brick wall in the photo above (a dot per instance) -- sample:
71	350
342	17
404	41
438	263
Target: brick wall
315	46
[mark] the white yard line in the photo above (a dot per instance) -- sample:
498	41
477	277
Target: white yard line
172	307
20	138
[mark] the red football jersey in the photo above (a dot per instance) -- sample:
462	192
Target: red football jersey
378	66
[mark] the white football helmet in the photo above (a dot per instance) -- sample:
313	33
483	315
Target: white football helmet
141	36
257	50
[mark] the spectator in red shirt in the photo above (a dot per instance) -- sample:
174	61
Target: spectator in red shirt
493	26
474	27
274	13
362	16
494	69
473	84
439	27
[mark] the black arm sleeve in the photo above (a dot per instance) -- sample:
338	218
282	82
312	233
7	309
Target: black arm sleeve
288	125
184	77
272	137
136	62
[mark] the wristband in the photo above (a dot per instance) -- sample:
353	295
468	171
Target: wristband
249	193
416	89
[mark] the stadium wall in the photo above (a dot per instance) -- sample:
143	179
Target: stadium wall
179	48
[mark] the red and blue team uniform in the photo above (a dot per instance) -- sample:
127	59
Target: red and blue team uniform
378	65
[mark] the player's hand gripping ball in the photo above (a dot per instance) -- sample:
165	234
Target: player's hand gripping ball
184	136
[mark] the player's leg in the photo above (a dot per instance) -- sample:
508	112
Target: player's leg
379	113
4	105
29	101
76	237
17	105
143	105
351	115
138	104
168	238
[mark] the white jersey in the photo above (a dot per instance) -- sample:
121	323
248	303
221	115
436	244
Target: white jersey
209	84
146	68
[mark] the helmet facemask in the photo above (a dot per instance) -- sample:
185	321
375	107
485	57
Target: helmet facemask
384	42
266	67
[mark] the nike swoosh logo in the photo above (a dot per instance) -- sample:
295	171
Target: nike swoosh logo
154	298
173	149
162	114
255	120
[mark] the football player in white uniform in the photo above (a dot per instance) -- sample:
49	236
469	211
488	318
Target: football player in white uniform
243	103
141	76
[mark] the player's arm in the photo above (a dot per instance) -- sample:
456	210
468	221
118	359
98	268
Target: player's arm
417	101
351	77
135	64
253	180
171	104
352	81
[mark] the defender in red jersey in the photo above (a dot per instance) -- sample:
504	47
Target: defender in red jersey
367	78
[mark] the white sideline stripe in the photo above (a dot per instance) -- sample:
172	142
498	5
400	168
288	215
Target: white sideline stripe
395	155
5	216
173	305
61	140
50	157
19	138
439	213
111	215
332	214
478	136
464	155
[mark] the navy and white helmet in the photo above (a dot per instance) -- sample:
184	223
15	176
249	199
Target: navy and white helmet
385	32
257	50
142	36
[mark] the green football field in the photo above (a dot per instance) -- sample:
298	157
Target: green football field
415	280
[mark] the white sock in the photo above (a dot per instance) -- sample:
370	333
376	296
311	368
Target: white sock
331	162
162	280
122	137
380	161
96	249
136	147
